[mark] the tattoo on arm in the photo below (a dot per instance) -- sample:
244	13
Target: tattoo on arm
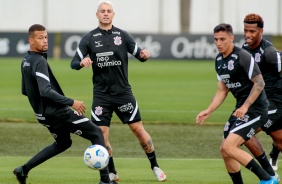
257	88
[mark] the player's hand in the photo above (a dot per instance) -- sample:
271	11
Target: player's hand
79	107
144	54
86	62
240	112
202	116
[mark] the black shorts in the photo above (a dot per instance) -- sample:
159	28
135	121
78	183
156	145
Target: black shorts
247	127
62	125
125	107
274	121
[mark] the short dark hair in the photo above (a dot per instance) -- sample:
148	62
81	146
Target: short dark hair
223	27
35	27
253	18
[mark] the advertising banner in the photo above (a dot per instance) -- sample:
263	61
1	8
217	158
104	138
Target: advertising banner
161	46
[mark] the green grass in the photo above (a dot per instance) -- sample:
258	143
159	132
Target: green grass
71	170
167	91
170	95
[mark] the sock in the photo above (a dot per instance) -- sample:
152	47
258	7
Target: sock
111	165
25	170
153	159
265	164
236	177
257	170
104	175
274	152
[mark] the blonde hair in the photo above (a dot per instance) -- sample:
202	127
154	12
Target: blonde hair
105	2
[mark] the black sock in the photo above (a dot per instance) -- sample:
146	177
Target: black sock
111	165
274	152
236	177
265	164
104	175
153	159
257	170
25	170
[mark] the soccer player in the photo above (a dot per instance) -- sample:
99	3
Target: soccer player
59	114
269	61
106	49
238	73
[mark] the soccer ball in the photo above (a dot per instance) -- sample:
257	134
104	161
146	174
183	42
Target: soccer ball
96	157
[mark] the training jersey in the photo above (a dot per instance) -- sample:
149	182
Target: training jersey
236	71
108	49
269	61
41	87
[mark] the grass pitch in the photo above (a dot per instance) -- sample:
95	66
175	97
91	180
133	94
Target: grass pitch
170	95
71	170
166	91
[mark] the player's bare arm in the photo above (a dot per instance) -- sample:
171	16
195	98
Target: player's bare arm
217	100
255	92
86	62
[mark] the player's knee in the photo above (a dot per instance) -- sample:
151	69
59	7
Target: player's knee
110	150
278	146
64	145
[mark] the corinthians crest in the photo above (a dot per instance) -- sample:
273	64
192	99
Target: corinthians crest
117	40
98	110
230	65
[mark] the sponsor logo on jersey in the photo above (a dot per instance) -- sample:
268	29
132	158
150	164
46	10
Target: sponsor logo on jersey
251	133
116	32
97	34
98	44
25	63
225	79
234	85
103	60
126	108
257	57
234	56
230	65
117	40
39	117
98	110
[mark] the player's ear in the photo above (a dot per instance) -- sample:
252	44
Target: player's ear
232	38
30	40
